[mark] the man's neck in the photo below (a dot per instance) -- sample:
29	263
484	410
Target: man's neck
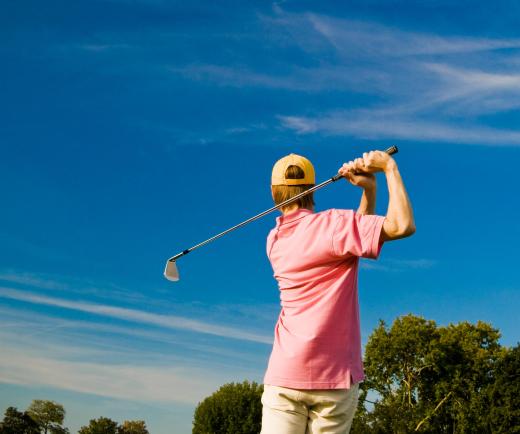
293	209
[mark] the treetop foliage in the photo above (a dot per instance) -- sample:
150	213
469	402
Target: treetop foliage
435	378
46	417
102	425
132	427
16	422
49	415
233	409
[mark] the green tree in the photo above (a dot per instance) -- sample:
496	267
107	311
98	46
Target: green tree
103	425
49	415
58	430
464	364
500	400
133	427
233	409
426	378
16	422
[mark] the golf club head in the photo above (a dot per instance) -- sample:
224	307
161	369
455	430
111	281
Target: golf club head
171	272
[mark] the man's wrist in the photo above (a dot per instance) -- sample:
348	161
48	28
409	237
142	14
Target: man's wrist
390	167
370	194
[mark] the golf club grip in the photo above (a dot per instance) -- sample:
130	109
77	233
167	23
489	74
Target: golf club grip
390	151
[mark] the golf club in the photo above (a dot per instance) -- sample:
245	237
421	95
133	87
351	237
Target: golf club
172	273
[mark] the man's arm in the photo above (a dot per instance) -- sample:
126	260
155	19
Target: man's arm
367	204
367	182
399	221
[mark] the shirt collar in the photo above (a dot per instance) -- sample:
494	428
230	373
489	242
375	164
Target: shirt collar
292	216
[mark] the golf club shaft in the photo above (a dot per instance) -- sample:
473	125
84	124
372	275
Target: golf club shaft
391	150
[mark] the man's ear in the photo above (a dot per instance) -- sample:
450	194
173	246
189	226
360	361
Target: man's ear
272	194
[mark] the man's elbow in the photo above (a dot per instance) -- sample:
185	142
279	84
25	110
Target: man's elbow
404	232
409	230
395	231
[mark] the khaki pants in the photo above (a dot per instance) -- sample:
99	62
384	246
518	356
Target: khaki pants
298	411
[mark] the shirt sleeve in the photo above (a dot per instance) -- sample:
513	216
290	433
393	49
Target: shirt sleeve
269	242
356	234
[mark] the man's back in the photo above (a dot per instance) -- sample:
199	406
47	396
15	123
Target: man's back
315	260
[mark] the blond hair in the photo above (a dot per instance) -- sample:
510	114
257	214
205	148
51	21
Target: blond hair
282	193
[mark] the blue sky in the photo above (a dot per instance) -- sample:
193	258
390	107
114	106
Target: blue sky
131	130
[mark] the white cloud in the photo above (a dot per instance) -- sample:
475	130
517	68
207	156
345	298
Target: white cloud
28	329
138	383
398	265
421	86
90	357
302	125
372	126
373	39
473	91
295	78
70	285
424	93
233	76
32	279
134	315
477	79
102	47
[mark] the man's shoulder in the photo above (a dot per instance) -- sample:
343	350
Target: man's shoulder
328	218
333	213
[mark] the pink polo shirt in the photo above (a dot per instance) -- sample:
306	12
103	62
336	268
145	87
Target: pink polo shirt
315	259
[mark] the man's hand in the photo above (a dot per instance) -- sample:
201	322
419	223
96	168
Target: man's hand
354	172
366	181
377	161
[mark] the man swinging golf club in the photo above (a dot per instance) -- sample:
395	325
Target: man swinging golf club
311	382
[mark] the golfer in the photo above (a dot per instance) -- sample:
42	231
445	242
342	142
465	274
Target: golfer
312	379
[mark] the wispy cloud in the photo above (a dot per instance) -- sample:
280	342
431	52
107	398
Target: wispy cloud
168	321
295	78
69	285
429	96
398	265
258	316
99	47
234	76
111	360
32	279
101	339
474	91
417	86
372	125
150	383
373	39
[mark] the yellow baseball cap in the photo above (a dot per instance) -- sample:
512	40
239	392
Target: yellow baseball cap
278	176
